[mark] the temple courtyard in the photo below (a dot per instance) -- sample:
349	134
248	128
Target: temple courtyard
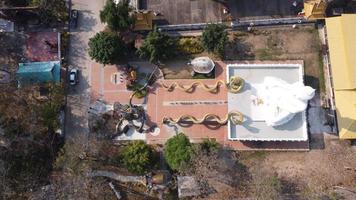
109	87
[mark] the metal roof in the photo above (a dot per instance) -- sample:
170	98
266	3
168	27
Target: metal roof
341	32
38	72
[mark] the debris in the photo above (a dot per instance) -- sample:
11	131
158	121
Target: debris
117	193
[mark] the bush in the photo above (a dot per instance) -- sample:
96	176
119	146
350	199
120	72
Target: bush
137	157
106	48
209	146
158	46
214	39
190	46
177	151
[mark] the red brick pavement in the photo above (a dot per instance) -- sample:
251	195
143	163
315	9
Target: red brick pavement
157	108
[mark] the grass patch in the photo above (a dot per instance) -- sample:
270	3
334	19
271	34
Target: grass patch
259	154
273	49
264	54
240	34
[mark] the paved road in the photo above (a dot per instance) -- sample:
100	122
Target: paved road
78	96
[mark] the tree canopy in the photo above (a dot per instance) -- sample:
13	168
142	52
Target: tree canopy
177	151
214	38
158	46
117	16
15	2
48	12
137	157
51	10
106	48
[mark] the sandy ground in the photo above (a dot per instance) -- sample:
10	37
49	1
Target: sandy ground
315	171
177	69
317	174
282	43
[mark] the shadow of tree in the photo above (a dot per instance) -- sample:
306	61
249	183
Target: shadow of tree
86	21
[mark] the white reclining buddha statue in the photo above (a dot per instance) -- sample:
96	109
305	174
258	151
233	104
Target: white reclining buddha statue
282	100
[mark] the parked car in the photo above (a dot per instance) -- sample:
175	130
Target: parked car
74	19
73	76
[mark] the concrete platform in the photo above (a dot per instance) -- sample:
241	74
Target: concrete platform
254	127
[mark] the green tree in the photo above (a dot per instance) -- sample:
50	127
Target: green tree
106	48
158	46
214	39
177	151
49	111
51	10
137	157
117	16
49	114
15	3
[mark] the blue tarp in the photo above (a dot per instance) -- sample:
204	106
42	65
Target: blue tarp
38	72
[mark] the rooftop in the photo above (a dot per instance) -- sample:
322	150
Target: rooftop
185	11
38	72
143	21
42	46
341	32
255	127
315	9
176	12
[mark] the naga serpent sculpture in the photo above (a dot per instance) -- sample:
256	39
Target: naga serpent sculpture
234	85
234	116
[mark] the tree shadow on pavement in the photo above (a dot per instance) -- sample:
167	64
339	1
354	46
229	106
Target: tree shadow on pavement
86	21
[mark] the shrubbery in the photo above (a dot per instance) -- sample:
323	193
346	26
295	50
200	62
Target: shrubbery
137	157
177	151
214	39
190	46
209	146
